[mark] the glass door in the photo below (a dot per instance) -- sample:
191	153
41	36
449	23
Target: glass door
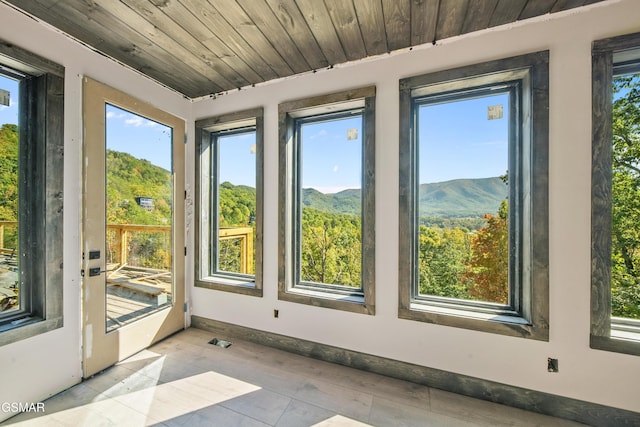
133	221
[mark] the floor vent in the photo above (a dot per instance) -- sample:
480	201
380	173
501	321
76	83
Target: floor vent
220	343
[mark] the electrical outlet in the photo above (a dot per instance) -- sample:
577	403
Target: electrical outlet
275	313
552	365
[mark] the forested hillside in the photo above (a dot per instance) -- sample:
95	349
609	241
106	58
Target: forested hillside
459	198
8	172
463	234
128	178
462	198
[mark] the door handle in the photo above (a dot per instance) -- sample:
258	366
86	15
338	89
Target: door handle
95	271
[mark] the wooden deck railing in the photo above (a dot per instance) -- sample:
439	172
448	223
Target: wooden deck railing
123	235
245	234
3	225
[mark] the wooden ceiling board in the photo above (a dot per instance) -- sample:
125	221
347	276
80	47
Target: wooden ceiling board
211	19
238	19
479	15
204	47
97	28
397	23
139	24
295	25
263	17
319	22
371	19
536	7
170	24
424	19
345	22
566	4
507	11
189	24
451	17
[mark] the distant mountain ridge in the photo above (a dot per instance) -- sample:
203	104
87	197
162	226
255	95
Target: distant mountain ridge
462	198
458	198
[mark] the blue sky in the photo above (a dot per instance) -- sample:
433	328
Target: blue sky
138	136
126	132
9	114
331	161
457	140
238	159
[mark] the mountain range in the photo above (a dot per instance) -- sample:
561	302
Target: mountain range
459	198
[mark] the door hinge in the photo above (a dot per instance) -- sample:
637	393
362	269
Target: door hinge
185	251
185	138
185	307
82	272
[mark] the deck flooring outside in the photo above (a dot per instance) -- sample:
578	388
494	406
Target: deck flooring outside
135	292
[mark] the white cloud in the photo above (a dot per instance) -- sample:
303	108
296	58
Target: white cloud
138	121
322	133
336	168
114	115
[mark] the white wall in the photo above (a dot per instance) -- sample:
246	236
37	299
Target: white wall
38	367
35	368
595	376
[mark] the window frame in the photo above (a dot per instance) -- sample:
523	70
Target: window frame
609	333
290	288
206	222
41	125
527	313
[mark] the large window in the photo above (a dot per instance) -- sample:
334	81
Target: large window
473	197
229	200
326	201
615	219
31	164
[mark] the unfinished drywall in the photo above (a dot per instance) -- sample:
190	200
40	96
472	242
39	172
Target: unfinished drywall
591	375
36	368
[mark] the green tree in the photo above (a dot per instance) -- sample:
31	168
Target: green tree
443	254
625	257
9	172
331	248
237	205
487	274
127	178
9	148
236	208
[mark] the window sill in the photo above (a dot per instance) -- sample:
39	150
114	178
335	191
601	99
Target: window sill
461	317
228	284
616	343
624	338
24	330
327	299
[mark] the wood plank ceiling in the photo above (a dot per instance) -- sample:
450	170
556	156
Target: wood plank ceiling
200	47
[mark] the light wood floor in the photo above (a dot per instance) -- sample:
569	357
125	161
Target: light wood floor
184	381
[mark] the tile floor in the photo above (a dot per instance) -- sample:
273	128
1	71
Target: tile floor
184	381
